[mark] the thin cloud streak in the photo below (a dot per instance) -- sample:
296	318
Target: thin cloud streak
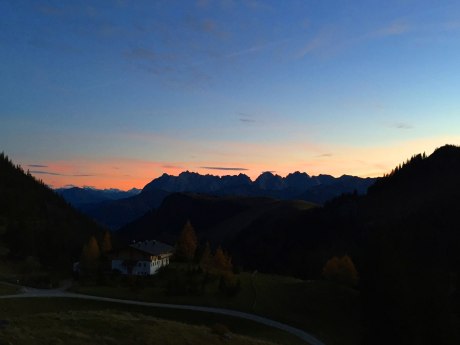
37	166
401	125
247	120
41	172
394	29
225	168
140	53
172	166
254	49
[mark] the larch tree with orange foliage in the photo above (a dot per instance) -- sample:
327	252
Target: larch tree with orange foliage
89	261
341	270
222	261
187	243
206	260
106	246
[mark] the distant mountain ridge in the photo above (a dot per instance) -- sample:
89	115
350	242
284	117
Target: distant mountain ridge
80	196
296	186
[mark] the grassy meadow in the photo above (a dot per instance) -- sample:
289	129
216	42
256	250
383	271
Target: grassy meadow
326	310
73	321
112	327
6	289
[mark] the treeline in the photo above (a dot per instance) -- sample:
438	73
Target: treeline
203	267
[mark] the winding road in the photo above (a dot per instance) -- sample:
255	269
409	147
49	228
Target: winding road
27	292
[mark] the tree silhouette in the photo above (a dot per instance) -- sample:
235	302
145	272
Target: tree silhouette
106	246
222	261
341	270
206	260
187	243
89	262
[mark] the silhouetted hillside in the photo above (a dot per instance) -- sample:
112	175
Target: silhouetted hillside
38	223
220	220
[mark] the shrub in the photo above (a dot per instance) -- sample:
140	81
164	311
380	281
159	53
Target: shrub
341	270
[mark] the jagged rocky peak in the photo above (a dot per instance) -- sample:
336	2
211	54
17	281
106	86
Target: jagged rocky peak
270	181
299	180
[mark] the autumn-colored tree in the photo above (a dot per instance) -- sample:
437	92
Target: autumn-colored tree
206	260
229	283
341	270
106	246
222	261
187	243
89	261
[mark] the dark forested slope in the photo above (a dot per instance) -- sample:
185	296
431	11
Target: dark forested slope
36	222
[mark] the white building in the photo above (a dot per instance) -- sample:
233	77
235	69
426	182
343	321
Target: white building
142	258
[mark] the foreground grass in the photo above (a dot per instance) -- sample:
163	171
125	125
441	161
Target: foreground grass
30	320
327	311
6	289
111	327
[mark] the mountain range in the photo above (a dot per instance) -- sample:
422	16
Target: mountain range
118	212
403	236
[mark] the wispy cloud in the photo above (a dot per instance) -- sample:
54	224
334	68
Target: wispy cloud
140	53
50	10
201	25
255	48
246	118
393	29
257	5
325	155
169	166
242	119
37	166
402	125
203	3
225	168
250	50
41	172
323	40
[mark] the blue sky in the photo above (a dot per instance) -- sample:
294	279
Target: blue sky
113	93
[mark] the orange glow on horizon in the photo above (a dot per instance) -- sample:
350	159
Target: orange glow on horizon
125	174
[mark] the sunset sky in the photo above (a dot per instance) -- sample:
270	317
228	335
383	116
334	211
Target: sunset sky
114	93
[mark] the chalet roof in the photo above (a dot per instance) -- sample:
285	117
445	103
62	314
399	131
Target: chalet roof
153	247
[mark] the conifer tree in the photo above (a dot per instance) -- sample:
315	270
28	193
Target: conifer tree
222	261
106	246
206	260
187	243
90	257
